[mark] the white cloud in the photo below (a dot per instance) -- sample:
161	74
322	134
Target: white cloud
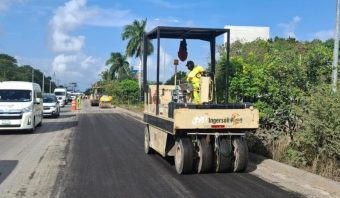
72	64
323	35
289	28
6	4
78	67
66	19
61	61
74	14
109	17
88	61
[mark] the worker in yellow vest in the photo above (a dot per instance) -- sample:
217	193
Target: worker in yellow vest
194	76
78	102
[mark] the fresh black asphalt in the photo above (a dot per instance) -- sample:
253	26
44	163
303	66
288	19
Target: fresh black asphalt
106	159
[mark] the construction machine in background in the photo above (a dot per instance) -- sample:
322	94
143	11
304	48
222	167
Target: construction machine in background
205	137
105	101
95	95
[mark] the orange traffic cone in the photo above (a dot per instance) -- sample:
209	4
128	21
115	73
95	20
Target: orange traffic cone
74	105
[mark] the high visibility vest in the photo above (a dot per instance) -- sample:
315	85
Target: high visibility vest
193	77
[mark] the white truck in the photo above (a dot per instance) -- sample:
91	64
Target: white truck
21	105
62	96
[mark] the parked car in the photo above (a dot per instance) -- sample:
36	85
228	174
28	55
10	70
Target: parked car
51	105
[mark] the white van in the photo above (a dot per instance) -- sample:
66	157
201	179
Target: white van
21	105
61	94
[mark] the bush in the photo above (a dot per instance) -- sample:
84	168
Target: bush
317	144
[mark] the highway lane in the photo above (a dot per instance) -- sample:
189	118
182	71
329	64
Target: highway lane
106	159
30	163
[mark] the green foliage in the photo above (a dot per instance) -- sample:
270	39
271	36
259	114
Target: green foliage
134	34
8	65
127	92
299	119
180	78
9	70
319	136
276	75
119	67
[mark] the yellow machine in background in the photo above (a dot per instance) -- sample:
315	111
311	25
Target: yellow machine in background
96	94
105	101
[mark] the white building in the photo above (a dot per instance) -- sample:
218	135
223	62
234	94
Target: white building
246	33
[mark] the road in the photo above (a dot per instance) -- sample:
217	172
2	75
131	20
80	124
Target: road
99	153
107	160
30	163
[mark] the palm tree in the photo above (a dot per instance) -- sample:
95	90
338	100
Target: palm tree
105	75
134	33
119	67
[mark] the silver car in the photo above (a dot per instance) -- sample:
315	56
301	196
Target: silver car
51	106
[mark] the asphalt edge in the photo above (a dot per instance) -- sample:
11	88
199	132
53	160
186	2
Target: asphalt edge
328	185
301	176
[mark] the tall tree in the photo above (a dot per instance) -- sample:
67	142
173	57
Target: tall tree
8	65
105	75
134	34
119	67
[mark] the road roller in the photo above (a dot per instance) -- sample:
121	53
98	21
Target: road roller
201	137
105	101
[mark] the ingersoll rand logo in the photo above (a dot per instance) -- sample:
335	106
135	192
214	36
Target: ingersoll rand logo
234	119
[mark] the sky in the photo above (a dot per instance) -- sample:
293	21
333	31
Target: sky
72	39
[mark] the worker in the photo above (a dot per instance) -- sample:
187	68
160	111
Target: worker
193	77
78	102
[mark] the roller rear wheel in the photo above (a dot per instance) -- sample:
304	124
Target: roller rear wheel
147	148
223	157
184	156
204	156
240	161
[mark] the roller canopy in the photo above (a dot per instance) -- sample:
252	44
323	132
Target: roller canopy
205	34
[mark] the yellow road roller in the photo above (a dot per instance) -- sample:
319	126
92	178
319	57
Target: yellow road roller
105	101
204	137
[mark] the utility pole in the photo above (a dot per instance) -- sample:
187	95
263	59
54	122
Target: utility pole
32	75
50	85
336	49
43	83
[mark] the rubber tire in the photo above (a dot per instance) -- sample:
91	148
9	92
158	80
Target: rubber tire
204	156
32	130
223	161
184	156
147	148
240	155
40	123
